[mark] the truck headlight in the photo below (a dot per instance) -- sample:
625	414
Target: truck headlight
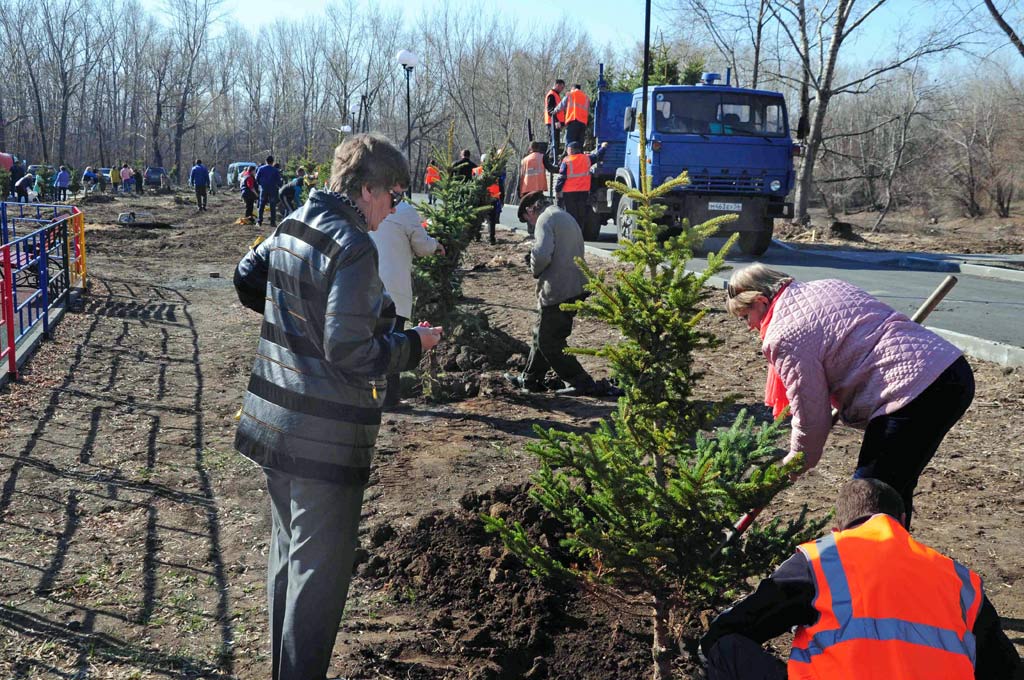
775	185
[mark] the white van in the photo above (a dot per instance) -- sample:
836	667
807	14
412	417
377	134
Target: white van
235	169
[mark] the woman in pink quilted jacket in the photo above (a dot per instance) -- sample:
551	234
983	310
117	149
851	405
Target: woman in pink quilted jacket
829	343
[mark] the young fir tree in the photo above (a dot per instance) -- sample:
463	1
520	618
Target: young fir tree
646	499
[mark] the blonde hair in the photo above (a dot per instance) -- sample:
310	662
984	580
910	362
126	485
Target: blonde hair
745	285
368	159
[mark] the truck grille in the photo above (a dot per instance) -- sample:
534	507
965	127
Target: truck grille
726	184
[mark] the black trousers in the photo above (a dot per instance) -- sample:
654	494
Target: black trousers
898	446
574	132
575	203
61	194
550	335
734	657
393	393
201	198
250	200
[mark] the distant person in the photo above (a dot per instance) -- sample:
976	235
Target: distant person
554	118
866	601
127	178
115	179
249	189
291	193
463	168
268	179
89	179
433	175
22	186
213	180
17	172
532	169
61	182
576	106
140	181
400	238
573	183
199	178
40	188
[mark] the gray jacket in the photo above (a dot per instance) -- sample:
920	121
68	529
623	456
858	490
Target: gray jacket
314	399
552	261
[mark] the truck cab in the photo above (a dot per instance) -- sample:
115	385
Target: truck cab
734	143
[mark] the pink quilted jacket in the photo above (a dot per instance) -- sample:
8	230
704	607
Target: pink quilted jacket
831	339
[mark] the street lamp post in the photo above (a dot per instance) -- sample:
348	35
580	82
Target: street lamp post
408	60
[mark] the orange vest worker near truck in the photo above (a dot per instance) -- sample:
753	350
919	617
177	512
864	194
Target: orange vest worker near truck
869	603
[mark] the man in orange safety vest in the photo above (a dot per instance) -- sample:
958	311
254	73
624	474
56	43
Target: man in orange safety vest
573	183
430	179
867	601
576	107
554	116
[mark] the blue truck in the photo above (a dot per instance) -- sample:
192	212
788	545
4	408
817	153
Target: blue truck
735	144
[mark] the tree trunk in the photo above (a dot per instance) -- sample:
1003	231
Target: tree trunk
660	644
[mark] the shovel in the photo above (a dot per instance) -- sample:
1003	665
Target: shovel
744	522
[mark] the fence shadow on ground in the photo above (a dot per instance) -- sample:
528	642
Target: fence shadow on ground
117	452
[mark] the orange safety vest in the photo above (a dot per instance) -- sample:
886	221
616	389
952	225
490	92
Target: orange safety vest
577	173
531	174
578	107
888	607
559	116
433	175
494	190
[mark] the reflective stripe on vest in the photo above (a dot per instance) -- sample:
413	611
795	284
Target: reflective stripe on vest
531	169
560	115
478	171
837	623
577	108
577	173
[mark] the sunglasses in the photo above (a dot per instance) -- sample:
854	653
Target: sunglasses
396	198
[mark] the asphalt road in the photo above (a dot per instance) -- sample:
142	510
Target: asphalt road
990	309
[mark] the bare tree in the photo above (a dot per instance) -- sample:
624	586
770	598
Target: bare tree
832	22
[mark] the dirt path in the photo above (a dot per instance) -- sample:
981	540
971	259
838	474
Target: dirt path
133	538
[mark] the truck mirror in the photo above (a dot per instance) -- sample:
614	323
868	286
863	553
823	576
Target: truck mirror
802	127
628	119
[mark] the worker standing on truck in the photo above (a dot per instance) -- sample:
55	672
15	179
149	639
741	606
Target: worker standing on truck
577	112
573	183
554	117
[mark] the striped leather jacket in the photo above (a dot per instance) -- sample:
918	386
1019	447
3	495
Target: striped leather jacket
314	399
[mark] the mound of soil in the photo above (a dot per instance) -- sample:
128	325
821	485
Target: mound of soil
487	615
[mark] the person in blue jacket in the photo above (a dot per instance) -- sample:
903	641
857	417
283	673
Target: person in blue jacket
268	179
291	193
199	178
61	182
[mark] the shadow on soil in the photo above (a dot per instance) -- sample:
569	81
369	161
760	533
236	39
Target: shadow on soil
160	318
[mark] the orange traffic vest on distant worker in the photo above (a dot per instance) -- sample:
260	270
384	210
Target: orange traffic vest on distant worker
560	115
888	607
577	173
531	174
494	190
578	107
433	175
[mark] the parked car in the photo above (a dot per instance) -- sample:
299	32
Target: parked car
36	167
235	169
152	176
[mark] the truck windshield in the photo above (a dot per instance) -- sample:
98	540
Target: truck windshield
719	113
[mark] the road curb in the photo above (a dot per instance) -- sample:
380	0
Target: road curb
917	262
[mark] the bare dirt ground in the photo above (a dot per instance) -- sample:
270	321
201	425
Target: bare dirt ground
134	539
912	231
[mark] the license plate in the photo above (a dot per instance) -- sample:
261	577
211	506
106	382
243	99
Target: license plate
725	207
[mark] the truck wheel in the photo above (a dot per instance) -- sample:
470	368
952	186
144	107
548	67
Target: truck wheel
592	225
624	223
754	243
